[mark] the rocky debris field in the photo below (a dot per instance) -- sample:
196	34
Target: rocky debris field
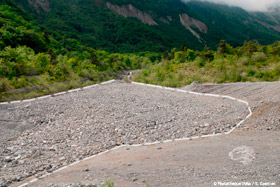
263	97
198	163
42	136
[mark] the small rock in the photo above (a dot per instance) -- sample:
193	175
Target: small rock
14	163
3	183
36	154
21	162
113	143
129	164
7	159
54	148
86	170
19	178
62	158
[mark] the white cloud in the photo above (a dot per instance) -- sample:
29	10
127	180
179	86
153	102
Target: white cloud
250	5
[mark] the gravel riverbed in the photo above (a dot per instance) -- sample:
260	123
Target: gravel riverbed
42	136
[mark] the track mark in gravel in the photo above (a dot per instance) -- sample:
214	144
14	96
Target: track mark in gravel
243	154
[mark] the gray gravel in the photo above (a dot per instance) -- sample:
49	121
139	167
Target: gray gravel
39	137
263	97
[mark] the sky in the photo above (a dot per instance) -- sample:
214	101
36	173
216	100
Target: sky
250	5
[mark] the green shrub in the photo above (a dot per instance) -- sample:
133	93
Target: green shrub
108	183
4	85
179	57
243	61
201	63
145	73
259	57
58	87
251	73
277	70
74	84
268	76
41	62
260	74
191	55
20	82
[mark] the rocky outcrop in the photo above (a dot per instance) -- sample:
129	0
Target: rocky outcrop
130	11
40	4
190	23
169	18
275	27
164	20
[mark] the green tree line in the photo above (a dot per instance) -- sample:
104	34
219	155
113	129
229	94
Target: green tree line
250	62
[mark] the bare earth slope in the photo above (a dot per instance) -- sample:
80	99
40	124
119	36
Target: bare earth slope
67	128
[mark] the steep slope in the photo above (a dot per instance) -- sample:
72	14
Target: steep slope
131	25
36	62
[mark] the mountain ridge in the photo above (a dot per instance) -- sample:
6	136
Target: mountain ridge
132	26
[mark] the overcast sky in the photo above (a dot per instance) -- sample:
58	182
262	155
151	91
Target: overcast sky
251	5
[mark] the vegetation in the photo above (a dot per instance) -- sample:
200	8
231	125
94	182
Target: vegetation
108	183
30	57
35	61
93	24
250	62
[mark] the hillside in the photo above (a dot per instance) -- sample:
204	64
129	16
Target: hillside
35	61
133	26
56	49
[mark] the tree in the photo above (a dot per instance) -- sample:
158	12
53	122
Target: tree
94	59
222	47
207	54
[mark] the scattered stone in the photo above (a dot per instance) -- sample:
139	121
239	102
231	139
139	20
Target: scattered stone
19	178
3	183
61	131
36	154
14	163
7	159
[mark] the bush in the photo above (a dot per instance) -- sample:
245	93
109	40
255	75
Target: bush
58	87
277	70
259	57
20	82
201	63
243	61
260	75
41	62
191	55
15	61
179	57
251	73
4	85
268	76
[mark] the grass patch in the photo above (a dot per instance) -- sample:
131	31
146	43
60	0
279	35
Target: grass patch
108	183
43	90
